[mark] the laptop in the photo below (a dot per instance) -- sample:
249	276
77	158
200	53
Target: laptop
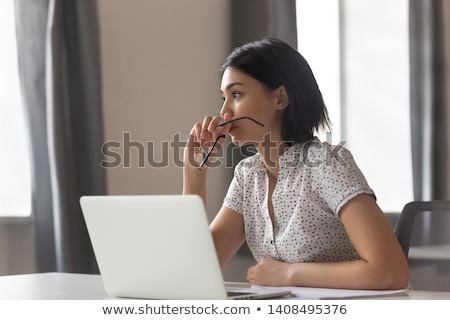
158	247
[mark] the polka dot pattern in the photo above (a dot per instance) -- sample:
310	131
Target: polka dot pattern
315	180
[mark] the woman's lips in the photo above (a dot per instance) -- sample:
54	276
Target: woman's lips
232	129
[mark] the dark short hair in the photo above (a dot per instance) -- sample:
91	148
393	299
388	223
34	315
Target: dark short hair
275	63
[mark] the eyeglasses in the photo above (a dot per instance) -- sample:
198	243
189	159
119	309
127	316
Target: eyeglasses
202	156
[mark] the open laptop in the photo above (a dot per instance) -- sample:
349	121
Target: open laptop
158	247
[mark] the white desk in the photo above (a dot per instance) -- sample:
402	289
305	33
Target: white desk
52	286
69	286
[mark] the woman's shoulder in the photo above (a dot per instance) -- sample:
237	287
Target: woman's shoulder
249	163
317	153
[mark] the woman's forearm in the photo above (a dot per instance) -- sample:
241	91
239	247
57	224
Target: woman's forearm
194	183
358	274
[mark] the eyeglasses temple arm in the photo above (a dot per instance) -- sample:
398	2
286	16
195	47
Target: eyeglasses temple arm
210	151
240	118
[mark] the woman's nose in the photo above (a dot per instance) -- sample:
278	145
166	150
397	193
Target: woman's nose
225	109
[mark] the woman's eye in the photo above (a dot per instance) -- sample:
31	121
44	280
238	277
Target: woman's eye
234	95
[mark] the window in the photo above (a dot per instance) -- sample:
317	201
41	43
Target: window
359	53
15	181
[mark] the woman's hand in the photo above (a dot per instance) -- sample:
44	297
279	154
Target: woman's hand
269	272
194	177
201	138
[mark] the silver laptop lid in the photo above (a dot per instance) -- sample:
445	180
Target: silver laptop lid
154	247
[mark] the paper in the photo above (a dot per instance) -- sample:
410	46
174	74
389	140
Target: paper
326	293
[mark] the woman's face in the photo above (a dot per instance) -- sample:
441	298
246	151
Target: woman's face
244	96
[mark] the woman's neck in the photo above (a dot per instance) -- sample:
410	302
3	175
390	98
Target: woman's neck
270	151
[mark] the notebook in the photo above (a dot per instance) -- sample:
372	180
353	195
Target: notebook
158	247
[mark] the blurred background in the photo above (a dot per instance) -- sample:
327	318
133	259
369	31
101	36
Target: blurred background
89	82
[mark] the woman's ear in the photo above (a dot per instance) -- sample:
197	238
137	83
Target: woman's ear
282	97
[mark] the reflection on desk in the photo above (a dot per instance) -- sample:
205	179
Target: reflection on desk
70	286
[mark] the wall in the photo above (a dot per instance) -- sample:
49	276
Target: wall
16	247
160	74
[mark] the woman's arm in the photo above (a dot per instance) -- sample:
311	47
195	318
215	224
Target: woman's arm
228	233
194	180
227	227
382	264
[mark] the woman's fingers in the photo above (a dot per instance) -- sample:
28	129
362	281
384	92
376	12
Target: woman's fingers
197	131
206	137
226	128
192	146
213	129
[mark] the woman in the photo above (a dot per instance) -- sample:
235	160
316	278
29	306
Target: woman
303	206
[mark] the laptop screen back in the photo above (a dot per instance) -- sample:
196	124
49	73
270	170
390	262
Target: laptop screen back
153	247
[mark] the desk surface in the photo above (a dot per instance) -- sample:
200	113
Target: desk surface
69	286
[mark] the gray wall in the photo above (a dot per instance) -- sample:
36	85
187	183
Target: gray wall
160	64
160	75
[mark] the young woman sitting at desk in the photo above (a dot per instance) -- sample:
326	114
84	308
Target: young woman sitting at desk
305	209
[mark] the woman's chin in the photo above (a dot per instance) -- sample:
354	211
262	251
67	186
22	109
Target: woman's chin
242	143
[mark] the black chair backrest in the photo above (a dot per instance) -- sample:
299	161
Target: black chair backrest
423	230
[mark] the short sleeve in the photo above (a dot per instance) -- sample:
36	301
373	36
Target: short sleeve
234	196
341	178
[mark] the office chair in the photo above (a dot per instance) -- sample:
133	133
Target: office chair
423	230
